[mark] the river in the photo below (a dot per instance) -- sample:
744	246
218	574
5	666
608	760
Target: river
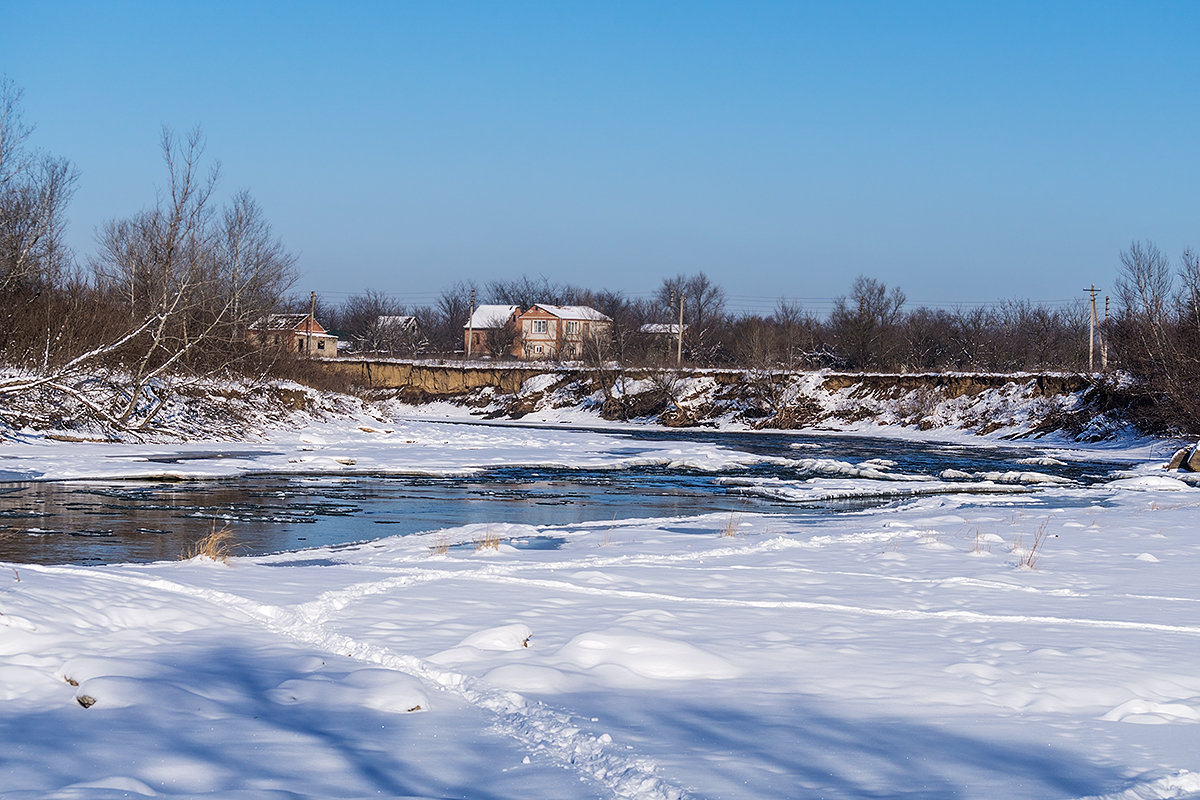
134	521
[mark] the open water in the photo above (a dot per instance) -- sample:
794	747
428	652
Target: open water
129	521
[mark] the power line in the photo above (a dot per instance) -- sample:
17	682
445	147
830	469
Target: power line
744	303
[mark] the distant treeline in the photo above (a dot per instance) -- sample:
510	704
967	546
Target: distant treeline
1145	349
172	291
870	328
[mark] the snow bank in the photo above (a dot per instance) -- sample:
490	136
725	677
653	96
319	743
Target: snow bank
867	654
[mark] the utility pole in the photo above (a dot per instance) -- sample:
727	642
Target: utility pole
1104	338
471	324
679	331
1092	328
308	323
679	351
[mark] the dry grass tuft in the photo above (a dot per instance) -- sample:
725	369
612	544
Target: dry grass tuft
1029	558
731	527
217	546
441	547
490	541
608	533
980	547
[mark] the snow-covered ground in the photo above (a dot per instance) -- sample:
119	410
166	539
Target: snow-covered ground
966	645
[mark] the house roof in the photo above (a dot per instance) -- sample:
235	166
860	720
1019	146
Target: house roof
661	329
574	312
287	322
492	316
395	320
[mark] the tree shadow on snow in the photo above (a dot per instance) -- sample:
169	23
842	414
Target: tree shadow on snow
803	750
224	730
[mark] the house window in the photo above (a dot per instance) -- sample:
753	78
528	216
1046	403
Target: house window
539	326
538	348
299	345
320	344
572	327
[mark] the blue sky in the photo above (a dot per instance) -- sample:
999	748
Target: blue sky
963	151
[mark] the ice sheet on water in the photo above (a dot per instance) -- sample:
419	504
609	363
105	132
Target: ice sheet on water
828	489
1149	483
871	469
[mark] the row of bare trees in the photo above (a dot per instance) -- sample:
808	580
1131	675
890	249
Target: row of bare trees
170	292
870	328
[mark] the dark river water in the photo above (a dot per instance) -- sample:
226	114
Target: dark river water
119	521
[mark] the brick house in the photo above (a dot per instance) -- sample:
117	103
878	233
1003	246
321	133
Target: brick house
491	330
298	332
548	331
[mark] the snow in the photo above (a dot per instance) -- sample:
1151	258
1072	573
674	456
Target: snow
356	446
573	312
488	317
907	651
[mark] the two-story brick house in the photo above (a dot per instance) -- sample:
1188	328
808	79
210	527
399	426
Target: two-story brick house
548	331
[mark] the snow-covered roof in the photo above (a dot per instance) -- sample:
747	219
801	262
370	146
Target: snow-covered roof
492	316
574	312
661	328
288	322
395	321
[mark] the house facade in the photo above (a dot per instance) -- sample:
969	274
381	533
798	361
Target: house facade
299	333
548	331
491	330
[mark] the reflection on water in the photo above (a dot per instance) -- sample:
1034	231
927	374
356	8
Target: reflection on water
139	521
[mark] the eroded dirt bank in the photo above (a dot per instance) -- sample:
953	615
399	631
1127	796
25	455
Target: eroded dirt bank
1017	404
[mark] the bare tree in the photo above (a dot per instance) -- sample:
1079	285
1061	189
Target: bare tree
254	269
176	274
34	191
1188	298
1144	287
864	323
799	333
703	312
1144	291
39	292
499	342
367	319
1154	338
453	311
526	291
159	257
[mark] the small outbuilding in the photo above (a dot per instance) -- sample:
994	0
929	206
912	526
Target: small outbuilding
300	333
491	330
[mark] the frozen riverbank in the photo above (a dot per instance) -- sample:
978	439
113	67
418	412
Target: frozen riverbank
912	652
1014	404
967	645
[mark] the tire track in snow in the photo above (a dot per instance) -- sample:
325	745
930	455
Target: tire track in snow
546	731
